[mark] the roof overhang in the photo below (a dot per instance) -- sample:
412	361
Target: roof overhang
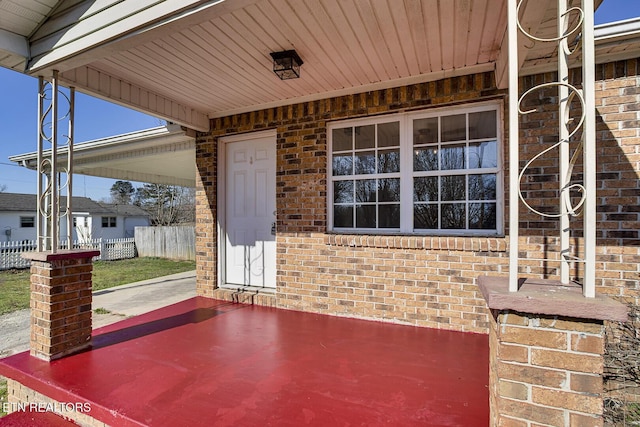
162	155
188	61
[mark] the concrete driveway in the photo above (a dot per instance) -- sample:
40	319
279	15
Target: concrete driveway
113	304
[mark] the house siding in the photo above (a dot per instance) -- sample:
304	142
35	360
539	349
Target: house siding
422	280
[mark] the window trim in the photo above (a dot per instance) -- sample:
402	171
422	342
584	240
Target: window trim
407	174
109	218
25	217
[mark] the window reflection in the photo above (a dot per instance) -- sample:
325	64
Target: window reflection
389	134
389	216
365	137
343	192
425	217
482	124
342	139
342	216
452	157
425	131
389	190
482	187
482	216
425	159
366	216
453	216
365	163
425	189
342	165
483	155
389	161
454	128
453	187
366	190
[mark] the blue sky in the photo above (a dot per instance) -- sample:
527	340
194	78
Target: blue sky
96	119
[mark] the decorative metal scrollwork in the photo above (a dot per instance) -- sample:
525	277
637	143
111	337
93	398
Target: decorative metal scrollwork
54	163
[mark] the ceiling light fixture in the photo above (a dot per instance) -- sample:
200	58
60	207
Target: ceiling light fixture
286	64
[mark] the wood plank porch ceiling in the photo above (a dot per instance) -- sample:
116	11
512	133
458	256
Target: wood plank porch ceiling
222	65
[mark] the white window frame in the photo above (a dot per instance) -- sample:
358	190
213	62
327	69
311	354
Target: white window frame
26	219
109	222
407	174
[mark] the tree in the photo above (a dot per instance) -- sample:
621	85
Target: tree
122	192
166	204
3	188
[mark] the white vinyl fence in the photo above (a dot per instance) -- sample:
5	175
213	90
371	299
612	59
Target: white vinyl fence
110	249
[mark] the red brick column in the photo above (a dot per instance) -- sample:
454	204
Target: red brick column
546	345
60	302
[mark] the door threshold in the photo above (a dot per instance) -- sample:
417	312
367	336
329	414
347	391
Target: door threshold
249	289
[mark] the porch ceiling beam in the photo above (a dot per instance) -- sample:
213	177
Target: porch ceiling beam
102	85
532	14
14	50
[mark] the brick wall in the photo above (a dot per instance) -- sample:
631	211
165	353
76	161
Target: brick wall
545	370
60	302
424	280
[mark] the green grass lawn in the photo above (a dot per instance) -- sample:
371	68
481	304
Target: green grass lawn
14	284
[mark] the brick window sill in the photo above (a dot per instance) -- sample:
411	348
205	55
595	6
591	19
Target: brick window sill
439	243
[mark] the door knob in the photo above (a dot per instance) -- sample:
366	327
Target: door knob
273	228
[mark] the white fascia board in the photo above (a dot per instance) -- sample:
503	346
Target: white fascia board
169	137
629	28
102	85
15	46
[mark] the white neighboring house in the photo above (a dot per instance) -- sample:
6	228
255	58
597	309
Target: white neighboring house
92	219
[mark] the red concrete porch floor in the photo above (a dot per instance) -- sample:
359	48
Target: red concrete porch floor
213	363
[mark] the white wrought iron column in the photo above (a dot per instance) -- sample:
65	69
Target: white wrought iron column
54	176
576	134
514	130
589	153
563	150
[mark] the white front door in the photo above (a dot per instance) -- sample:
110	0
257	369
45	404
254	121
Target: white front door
250	212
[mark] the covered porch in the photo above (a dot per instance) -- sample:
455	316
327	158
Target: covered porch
210	362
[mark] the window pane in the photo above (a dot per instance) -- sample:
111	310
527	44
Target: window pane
482	187
425	217
365	162
366	216
389	161
366	190
343	139
342	165
452	157
343	192
365	137
483	155
425	131
389	216
482	216
453	216
425	189
454	128
389	134
453	187
425	159
389	190
482	125
343	216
